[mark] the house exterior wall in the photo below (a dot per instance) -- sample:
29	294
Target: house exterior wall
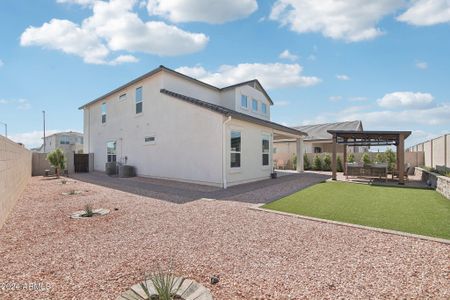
54	141
188	139
251	153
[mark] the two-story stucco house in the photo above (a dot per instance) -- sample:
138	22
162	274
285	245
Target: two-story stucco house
69	142
169	125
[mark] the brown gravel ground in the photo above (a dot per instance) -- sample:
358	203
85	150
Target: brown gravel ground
258	255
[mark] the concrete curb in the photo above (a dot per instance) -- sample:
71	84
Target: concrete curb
381	230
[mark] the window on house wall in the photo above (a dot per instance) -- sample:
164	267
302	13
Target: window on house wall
235	149
149	140
244	101
317	150
254	105
103	112
123	97
139	100
265	149
64	140
263	108
111	151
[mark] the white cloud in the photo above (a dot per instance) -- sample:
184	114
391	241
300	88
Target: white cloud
405	99
357	99
342	77
286	54
335	98
22	104
209	11
426	13
68	37
113	26
350	20
272	75
281	103
421	65
32	139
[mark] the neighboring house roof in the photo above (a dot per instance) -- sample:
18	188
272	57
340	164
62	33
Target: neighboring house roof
320	131
65	133
255	83
229	112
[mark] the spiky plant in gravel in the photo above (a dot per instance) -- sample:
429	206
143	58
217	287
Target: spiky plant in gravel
88	211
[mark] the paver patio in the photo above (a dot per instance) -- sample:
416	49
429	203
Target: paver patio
257	255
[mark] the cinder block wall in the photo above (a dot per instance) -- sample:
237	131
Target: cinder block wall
15	171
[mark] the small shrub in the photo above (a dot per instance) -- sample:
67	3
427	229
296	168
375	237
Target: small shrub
165	284
326	166
365	158
306	162
57	160
339	166
63	181
351	158
317	163
72	192
88	211
294	161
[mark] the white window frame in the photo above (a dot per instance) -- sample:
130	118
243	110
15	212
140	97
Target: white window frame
246	97
268	137
265	106
137	102
255	101
104	113
234	151
115	150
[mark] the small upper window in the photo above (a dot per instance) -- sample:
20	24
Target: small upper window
123	97
254	105
64	140
103	112
263	108
150	140
244	101
317	150
139	100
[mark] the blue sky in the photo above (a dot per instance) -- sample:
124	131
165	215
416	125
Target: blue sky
384	62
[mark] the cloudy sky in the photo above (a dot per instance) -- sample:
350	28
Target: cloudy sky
384	62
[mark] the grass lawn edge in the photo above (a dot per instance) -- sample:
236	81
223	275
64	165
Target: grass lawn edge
381	230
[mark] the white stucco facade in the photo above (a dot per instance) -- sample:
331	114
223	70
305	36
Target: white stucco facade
175	139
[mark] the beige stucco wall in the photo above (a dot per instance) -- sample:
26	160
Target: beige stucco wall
439	151
427	153
15	171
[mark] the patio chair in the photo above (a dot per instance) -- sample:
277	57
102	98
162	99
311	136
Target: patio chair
281	164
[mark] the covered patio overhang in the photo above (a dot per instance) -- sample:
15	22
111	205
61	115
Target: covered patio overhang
371	138
293	135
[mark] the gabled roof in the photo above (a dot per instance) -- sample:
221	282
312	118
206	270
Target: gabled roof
255	83
229	112
320	131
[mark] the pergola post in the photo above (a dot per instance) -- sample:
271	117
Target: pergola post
345	160
300	151
333	160
401	159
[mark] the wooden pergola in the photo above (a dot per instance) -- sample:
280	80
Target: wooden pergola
371	138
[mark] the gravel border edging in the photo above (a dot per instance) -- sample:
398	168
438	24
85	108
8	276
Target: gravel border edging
381	230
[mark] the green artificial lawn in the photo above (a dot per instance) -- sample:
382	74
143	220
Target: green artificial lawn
418	211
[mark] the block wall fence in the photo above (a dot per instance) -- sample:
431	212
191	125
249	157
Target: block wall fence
15	172
436	151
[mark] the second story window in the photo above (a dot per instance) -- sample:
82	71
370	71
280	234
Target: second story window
64	140
244	101
103	112
254	105
139	100
123	97
263	108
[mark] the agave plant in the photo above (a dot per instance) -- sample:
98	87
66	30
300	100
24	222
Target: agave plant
88	211
164	283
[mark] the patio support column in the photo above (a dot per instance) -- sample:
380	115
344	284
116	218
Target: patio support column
300	151
401	159
345	160
333	160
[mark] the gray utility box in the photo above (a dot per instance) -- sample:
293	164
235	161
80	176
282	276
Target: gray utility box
111	168
126	171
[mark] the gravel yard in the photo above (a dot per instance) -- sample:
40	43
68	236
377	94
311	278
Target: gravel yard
257	255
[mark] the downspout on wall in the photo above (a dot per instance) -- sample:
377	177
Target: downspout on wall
224	152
